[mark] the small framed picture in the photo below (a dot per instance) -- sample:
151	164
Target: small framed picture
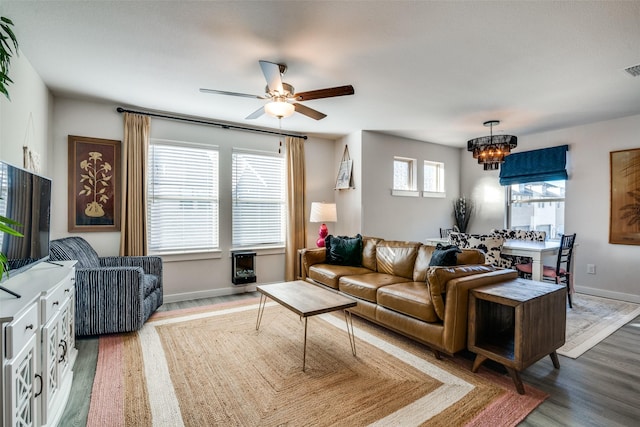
344	175
94	184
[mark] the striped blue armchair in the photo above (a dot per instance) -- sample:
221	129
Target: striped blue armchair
113	294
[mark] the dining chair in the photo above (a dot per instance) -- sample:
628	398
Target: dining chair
561	273
444	232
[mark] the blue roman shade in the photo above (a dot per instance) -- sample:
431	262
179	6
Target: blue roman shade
547	164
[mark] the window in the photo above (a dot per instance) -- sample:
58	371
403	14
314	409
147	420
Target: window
433	180
404	172
258	199
183	200
537	206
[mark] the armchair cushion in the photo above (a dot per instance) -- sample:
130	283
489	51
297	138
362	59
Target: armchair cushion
74	248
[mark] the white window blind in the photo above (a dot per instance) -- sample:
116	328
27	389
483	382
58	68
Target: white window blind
258	199
183	198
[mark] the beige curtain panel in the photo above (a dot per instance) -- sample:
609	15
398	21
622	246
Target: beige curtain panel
133	237
296	237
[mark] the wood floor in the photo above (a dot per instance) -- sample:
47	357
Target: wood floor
600	388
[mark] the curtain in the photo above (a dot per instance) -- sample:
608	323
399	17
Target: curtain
296	237
547	164
133	236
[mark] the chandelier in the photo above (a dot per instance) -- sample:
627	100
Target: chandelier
491	150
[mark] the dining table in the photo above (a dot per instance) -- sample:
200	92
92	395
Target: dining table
526	248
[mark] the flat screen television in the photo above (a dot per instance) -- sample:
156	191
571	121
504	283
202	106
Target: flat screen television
25	197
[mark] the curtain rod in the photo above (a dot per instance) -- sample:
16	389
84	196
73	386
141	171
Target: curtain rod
207	122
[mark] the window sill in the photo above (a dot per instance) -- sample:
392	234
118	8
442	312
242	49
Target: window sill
433	194
188	256
405	193
260	250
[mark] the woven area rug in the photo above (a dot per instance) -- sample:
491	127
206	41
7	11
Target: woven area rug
592	319
210	367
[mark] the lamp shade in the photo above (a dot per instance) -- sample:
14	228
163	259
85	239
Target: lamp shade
323	212
279	109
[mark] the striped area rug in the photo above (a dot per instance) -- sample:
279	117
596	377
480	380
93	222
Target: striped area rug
210	367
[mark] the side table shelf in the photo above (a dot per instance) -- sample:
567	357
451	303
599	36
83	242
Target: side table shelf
516	323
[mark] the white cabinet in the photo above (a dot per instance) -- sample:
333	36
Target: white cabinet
38	345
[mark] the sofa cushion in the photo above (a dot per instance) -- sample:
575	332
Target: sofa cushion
467	256
365	286
471	256
397	258
369	252
410	298
445	255
437	278
329	275
343	250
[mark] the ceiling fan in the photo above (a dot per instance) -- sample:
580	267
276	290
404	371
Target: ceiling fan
282	97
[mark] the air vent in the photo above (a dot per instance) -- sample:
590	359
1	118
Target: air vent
634	70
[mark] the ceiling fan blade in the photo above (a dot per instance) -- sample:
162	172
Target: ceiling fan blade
325	93
255	114
224	92
309	112
271	72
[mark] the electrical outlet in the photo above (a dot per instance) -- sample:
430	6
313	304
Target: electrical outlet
591	269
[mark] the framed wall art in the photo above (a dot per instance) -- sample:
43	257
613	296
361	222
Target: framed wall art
345	172
624	218
94	184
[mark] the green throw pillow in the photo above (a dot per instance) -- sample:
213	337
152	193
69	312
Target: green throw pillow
445	256
343	250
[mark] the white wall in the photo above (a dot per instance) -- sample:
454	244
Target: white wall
25	120
185	277
348	201
404	218
587	202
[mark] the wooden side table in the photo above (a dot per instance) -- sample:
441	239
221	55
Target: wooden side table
517	323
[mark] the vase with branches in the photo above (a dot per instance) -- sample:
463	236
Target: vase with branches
462	211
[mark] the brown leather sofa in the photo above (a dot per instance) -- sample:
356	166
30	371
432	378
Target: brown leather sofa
396	288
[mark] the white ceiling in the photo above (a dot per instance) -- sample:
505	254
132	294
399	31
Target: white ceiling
428	70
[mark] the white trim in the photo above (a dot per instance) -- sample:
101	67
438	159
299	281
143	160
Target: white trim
405	193
434	194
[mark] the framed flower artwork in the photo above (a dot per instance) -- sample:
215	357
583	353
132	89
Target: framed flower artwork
94	184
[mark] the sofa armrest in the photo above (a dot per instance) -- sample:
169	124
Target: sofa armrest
310	257
457	305
109	300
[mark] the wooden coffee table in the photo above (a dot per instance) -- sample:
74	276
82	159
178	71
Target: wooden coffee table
306	300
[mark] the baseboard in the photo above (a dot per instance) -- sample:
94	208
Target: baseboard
608	294
230	290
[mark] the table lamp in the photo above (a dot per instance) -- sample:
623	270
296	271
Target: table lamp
323	212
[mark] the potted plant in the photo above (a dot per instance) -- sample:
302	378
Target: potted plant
8	46
462	211
5	224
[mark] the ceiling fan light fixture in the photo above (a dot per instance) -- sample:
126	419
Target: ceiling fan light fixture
279	109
